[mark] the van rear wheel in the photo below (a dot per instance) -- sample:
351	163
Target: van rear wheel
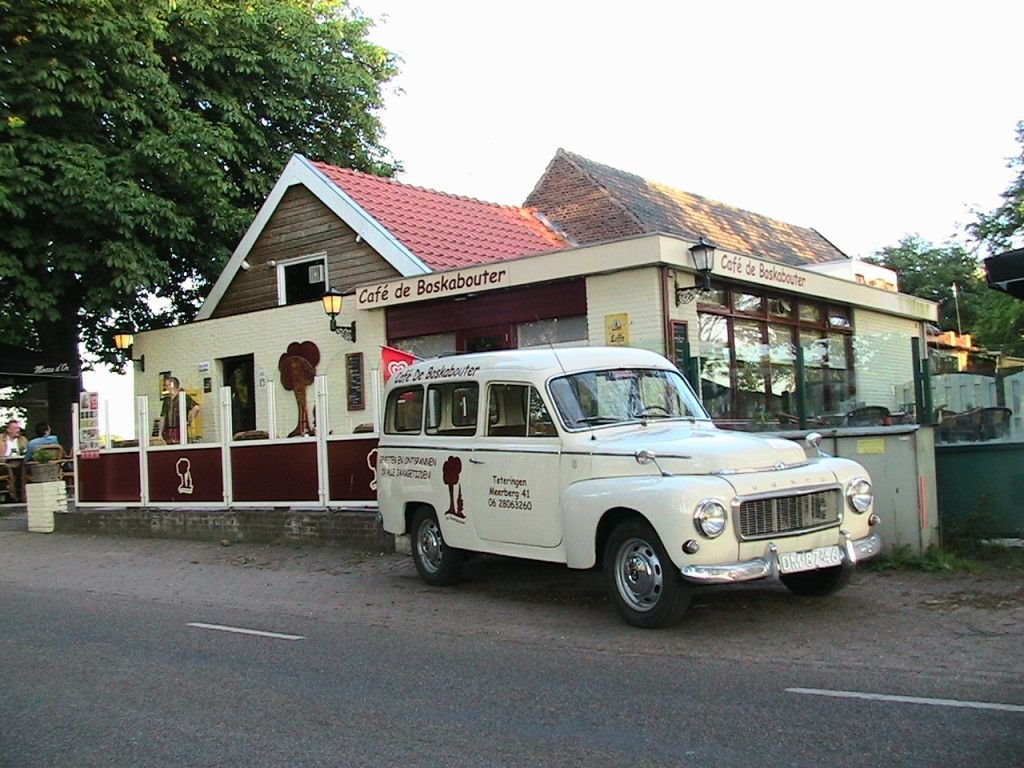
437	564
646	587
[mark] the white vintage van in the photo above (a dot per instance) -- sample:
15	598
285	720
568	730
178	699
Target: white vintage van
604	456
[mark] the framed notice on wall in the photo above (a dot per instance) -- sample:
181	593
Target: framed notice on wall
616	329
354	381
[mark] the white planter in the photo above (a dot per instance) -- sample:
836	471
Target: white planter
43	501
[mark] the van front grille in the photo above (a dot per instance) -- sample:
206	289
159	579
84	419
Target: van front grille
790	515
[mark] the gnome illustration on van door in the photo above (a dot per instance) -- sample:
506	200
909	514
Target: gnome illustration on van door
452	468
298	369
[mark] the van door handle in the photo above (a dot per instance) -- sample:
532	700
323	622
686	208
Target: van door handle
475	461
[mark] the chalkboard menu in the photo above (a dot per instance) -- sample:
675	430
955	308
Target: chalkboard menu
354	381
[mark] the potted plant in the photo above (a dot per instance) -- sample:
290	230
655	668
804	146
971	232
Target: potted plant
45	464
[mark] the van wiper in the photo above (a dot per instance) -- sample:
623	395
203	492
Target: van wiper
599	420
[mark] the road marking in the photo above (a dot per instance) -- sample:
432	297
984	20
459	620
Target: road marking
909	699
243	631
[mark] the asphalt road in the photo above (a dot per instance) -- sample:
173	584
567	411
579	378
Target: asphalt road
122	652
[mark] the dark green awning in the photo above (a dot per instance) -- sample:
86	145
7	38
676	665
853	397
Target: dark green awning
1005	272
26	366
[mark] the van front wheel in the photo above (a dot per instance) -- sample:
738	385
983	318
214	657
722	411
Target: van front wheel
646	587
437	564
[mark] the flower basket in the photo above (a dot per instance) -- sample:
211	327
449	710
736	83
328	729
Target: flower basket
42	473
45	465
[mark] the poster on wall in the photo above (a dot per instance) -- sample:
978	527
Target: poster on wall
89	425
616	329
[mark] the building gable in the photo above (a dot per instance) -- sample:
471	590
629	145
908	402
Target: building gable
301	227
414	230
301	171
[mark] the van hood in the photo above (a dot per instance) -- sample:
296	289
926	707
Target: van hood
694	450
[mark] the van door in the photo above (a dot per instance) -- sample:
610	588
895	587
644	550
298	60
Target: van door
514	470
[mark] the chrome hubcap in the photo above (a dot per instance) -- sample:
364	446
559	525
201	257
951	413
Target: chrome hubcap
429	544
638	574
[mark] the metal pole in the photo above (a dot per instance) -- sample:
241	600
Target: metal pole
801	389
915	359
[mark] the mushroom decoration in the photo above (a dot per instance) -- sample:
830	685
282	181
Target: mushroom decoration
298	368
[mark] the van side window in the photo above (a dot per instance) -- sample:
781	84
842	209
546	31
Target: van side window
451	408
404	412
516	410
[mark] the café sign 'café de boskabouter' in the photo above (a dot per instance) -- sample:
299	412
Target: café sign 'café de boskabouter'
772	325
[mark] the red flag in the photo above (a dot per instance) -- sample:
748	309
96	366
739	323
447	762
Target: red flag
394	361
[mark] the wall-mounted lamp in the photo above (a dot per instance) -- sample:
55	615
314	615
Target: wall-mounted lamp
124	340
332	306
704	260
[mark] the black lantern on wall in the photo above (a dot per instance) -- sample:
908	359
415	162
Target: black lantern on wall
703	254
332	308
123	341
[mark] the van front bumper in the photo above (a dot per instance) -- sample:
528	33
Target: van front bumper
852	551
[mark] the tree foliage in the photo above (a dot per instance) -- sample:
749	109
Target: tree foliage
995	320
930	272
1000	323
1001	229
138	137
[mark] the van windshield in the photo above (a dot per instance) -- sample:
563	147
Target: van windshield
623	395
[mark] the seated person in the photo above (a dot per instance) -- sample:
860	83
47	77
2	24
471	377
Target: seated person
43	437
14	443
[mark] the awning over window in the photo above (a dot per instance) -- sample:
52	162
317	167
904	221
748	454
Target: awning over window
1006	272
26	366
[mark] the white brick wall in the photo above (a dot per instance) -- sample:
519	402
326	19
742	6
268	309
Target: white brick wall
266	336
636	292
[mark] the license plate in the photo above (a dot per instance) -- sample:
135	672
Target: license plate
812	559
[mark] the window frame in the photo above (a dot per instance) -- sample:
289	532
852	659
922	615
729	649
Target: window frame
282	283
839	384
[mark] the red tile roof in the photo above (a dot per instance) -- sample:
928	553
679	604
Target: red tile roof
446	231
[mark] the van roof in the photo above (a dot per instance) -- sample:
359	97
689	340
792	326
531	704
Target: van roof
548	360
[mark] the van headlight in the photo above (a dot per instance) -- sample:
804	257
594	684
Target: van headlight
859	494
710	518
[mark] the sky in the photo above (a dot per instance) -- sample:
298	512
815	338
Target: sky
866	121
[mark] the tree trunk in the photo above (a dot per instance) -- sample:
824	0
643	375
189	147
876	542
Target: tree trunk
60	338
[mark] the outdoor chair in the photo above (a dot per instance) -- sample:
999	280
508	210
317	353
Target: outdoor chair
251	434
965	425
8	482
993	422
868	416
67	471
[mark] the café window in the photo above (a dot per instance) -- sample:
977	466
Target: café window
748	353
302	280
557	331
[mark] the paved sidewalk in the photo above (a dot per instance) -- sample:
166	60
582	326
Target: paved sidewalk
13	517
